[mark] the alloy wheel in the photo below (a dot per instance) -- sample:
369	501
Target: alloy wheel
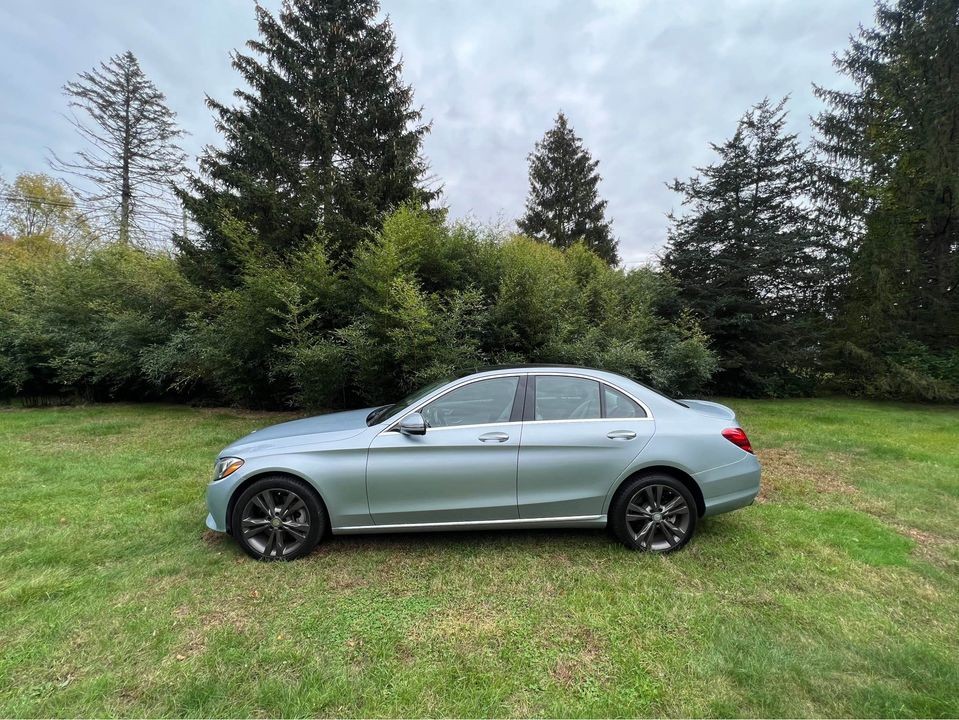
657	516
275	522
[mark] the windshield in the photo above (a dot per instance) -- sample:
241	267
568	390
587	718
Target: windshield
383	412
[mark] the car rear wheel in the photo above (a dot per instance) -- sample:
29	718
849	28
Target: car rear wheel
655	513
278	518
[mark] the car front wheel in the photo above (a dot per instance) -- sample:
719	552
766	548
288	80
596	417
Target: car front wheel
278	518
655	513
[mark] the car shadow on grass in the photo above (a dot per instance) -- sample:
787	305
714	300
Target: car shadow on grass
581	540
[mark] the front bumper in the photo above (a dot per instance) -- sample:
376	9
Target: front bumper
218	500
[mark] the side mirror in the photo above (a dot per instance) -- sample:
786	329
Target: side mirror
413	424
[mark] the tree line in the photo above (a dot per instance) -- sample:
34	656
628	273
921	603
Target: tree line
314	264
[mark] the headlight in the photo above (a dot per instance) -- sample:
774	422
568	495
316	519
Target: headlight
226	466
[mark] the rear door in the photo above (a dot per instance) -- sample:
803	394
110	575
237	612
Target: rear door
579	435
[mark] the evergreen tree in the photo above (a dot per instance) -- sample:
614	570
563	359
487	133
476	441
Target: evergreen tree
563	205
744	255
323	143
891	150
132	156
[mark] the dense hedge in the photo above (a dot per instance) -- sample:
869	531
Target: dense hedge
420	300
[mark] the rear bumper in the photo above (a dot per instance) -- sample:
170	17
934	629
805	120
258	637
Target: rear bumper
730	487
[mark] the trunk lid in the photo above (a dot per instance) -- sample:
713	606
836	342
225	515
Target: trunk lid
710	408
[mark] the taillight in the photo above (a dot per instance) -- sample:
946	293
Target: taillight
737	436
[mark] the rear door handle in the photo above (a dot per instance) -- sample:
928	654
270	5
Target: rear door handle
621	435
494	437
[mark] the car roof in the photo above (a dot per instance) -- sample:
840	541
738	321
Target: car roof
523	366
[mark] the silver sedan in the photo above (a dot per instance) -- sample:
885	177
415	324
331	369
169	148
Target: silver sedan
518	447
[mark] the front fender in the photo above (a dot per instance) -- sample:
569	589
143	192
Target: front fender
338	476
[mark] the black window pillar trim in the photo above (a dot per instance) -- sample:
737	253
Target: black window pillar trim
519	400
528	405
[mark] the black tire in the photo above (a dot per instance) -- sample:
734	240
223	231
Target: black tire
653	513
278	518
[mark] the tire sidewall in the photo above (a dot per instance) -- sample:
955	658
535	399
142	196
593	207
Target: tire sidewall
281	482
617	512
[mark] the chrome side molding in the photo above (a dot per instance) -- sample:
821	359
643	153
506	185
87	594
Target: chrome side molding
474	524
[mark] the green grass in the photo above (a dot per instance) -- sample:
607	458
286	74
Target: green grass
838	594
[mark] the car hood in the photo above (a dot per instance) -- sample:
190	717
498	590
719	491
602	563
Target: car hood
319	429
710	408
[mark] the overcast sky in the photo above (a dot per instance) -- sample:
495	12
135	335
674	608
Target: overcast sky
646	84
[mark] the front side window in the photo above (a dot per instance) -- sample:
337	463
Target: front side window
478	403
566	398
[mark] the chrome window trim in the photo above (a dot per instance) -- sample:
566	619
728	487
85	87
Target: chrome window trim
475	425
582	420
391	425
601	381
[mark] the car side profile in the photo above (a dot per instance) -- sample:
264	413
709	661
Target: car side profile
515	447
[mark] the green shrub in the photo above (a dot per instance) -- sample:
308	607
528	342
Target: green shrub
422	300
84	324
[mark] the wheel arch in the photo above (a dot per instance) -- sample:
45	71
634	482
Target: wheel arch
674	472
259	475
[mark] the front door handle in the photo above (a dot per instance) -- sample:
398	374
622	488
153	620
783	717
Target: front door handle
621	435
494	437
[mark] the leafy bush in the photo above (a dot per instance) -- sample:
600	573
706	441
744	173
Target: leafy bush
421	300
911	371
86	324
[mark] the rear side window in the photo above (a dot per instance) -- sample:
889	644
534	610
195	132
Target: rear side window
566	398
619	405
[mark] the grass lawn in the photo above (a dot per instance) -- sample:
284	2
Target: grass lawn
837	594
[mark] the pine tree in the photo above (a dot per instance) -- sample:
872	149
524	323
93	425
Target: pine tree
563	205
323	143
744	254
891	149
132	157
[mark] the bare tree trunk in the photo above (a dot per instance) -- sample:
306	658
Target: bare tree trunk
125	191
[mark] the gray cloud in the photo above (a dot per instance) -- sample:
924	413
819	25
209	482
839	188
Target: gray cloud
646	84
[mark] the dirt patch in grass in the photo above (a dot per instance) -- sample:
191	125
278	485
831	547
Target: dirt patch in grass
787	472
275	415
209	537
929	546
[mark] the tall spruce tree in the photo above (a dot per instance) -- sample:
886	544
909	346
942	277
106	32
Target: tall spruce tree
323	143
563	205
745	258
131	156
890	149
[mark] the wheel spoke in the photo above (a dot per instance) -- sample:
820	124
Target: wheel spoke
297	529
648	490
669	507
293	506
643	534
261	502
659	496
636	512
254	526
678	532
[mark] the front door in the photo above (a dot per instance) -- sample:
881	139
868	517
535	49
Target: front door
463	469
580	436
